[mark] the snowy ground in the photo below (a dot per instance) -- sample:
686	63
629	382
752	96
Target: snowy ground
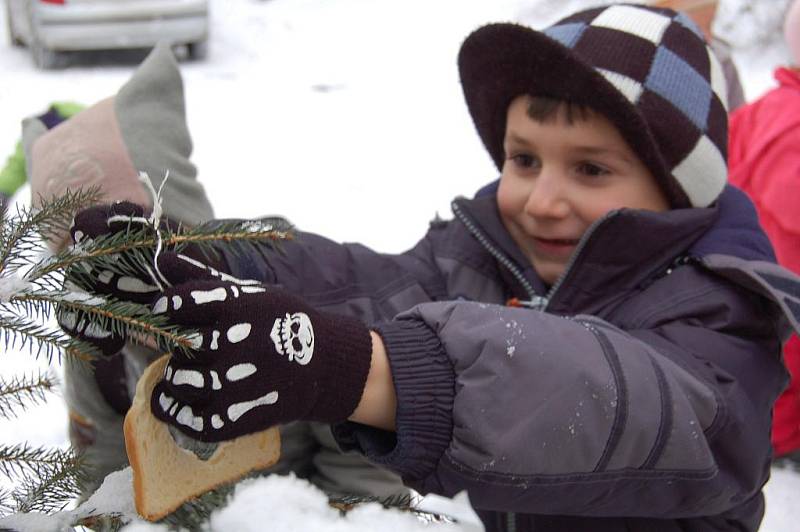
355	100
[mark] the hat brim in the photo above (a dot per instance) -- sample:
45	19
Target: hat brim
499	62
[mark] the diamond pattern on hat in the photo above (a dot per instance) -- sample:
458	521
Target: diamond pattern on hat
566	34
703	173
631	88
672	78
629	19
687	22
669	127
683	43
717	129
583	16
634	64
718	82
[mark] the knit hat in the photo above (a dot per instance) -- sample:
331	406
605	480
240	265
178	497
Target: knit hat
646	69
791	31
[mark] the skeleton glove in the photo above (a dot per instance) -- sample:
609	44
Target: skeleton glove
262	357
127	281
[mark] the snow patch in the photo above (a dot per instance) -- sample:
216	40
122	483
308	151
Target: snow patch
289	504
11	286
115	496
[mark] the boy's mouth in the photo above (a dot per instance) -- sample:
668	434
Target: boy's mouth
556	246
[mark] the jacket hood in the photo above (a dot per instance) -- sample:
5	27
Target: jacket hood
737	231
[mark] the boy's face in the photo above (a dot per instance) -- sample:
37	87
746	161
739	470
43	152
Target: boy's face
559	177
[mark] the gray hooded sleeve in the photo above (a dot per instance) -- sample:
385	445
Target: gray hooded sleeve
664	414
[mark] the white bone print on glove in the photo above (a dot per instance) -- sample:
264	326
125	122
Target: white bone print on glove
260	357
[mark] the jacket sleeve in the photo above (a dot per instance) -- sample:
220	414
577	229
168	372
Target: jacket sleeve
665	415
346	278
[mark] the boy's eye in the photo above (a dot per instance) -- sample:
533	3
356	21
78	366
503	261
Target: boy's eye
592	170
524	160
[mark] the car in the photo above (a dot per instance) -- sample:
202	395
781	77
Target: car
51	27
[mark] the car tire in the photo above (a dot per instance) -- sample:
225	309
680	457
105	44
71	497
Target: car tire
198	51
47	59
13	36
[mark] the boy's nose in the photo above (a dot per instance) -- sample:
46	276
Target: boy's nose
547	196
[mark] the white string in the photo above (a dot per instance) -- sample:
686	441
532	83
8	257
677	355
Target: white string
155	218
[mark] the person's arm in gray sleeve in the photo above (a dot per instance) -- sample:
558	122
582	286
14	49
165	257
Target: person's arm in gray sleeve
343	277
537	413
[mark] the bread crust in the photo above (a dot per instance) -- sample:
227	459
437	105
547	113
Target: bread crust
164	474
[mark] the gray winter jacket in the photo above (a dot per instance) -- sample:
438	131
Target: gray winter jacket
635	394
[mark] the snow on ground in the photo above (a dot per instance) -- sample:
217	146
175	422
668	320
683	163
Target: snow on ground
345	116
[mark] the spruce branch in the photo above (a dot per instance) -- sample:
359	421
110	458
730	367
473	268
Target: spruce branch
404	503
23	392
120	317
18	331
105	522
23	233
24	460
137	247
34	284
57	478
193	515
6	503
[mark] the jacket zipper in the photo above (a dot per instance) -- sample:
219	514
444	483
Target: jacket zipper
536	301
511	522
571	262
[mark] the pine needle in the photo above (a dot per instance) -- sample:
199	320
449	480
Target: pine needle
20	393
137	246
23	233
58	477
6	503
20	333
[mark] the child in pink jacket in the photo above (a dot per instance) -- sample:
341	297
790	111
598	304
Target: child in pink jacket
764	160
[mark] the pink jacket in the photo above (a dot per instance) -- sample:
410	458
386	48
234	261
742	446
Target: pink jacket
764	160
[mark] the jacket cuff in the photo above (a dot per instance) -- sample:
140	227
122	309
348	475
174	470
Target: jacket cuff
424	383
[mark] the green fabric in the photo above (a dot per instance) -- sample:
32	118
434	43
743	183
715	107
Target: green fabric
67	109
14	174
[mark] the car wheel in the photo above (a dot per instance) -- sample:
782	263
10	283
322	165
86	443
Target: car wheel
13	36
47	59
198	50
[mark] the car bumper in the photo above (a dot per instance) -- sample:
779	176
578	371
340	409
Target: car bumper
138	24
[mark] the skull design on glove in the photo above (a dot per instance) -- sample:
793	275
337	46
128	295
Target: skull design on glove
294	336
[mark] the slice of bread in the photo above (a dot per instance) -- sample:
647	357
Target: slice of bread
164	474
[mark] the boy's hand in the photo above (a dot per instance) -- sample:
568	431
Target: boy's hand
263	357
78	325
136	284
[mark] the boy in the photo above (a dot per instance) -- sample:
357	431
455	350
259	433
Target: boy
628	383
